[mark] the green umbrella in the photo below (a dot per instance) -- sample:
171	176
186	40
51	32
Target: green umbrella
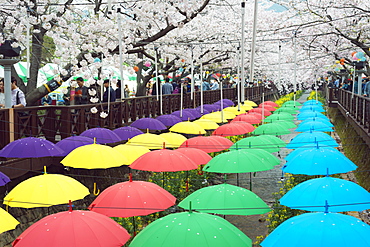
191	229
225	199
276	140
286	124
255	142
271	129
21	70
287	109
279	116
242	160
292	103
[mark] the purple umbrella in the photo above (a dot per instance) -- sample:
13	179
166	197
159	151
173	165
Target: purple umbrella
193	111
30	147
219	105
186	115
210	108
169	120
127	132
102	135
70	143
205	111
4	179
148	123
226	102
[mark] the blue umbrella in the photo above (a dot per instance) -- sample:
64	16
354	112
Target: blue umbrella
169	120
297	151
311	138
127	132
316	108
318	119
318	161
312	102
309	114
318	230
319	193
307	126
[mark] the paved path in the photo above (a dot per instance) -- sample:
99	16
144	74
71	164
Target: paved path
264	184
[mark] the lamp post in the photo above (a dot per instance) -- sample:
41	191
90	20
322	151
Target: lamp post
242	81
120	51
253	46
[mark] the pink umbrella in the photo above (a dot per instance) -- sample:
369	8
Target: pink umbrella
208	144
197	155
259	110
248	118
232	129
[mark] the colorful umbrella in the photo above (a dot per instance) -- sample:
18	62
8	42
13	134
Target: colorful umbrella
173	140
234	110
198	156
310	114
193	111
131	152
148	124
319	193
249	118
287	109
271	129
30	147
45	190
4	179
246	107
188	128
169	120
249	102
132	198
164	160
286	124
267	107
184	115
278	117
206	124
312	102
216	117
227	102
261	111
210	108
94	156
225	199
73	229
318	161
307	126
207	144
232	129
70	143
191	229
255	142
270	103
320	229
101	135
297	151
314	108
148	140
292	103
242	160
127	132
8	222
318	119
275	140
311	138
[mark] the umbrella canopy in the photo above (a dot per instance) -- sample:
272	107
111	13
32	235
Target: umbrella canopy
291	103
73	229
267	107
132	198
232	129
319	193
148	140
198	156
255	142
70	143
318	119
307	126
169	120
148	124
4	179
184	115
282	116
45	190
297	151
275	140
265	112
191	229
246	107
310	114
320	229
188	128
225	199
131	152
127	132
311	138
271	129
173	140
94	156
286	124
210	108
312	102
216	117
206	124
287	109
270	103
8	222
249	102
208	144
249	118
319	161
199	110
30	147
219	105
234	110
101	135
164	160
314	108
193	111
242	160
227	102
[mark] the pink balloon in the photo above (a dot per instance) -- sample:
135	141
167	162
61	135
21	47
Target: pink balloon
147	64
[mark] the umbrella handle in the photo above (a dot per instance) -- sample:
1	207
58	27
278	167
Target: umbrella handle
200	170
96	191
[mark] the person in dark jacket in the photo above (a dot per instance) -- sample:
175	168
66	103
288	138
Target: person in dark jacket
109	92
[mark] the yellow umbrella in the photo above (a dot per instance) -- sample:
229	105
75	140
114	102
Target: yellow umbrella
234	109
188	128
207	124
131	152
215	116
94	156
249	102
148	140
7	222
246	107
45	190
173	140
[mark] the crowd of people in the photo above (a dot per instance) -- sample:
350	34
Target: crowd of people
18	99
349	84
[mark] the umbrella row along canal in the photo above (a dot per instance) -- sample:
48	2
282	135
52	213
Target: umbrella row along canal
186	147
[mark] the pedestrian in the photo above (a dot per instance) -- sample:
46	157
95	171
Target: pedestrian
167	87
109	92
118	90
18	97
148	88
127	91
46	100
367	89
205	85
81	92
2	94
214	85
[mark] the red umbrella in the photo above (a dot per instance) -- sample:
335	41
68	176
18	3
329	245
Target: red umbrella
248	118
163	160
245	125
73	229
132	198
267	107
271	103
205	143
256	114
197	155
225	143
259	110
232	129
